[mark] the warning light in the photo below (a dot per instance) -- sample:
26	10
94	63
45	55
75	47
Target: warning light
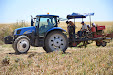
48	13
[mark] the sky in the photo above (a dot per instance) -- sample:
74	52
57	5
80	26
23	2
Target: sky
12	11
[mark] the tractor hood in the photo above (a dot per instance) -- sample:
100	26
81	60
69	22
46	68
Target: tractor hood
24	30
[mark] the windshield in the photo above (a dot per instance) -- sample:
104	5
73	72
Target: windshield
51	21
45	23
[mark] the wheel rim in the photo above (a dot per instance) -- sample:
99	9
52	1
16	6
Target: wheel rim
57	42
23	45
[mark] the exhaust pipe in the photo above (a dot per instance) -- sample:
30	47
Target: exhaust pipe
32	21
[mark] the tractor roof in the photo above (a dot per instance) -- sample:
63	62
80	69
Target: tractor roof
47	16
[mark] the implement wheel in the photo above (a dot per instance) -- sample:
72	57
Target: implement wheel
98	44
104	44
56	41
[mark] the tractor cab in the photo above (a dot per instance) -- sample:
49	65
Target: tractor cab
45	22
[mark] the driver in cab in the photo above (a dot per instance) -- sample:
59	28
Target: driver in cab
48	22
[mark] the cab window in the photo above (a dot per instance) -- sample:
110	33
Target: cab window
45	24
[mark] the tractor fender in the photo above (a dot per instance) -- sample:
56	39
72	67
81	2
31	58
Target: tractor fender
54	29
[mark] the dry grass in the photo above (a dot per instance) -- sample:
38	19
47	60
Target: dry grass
77	61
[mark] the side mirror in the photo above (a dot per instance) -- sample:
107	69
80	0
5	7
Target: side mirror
58	21
32	21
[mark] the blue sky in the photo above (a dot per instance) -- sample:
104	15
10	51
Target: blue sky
13	10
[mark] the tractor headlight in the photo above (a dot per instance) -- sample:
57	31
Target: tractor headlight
18	31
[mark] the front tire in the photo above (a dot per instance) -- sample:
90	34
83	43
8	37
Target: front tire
21	44
56	41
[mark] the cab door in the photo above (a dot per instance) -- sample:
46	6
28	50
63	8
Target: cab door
44	25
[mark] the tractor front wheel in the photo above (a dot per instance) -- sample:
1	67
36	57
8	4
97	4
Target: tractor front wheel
21	44
56	41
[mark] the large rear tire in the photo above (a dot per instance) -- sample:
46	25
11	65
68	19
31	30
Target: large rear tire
56	41
21	44
44	48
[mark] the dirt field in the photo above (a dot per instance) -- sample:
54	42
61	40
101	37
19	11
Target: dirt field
76	61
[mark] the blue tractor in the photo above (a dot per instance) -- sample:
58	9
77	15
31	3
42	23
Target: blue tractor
45	33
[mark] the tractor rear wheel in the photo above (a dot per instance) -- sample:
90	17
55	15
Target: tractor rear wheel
56	41
44	48
21	44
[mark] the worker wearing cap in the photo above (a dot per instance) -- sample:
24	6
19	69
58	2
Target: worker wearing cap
84	27
93	29
71	29
93	24
89	28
